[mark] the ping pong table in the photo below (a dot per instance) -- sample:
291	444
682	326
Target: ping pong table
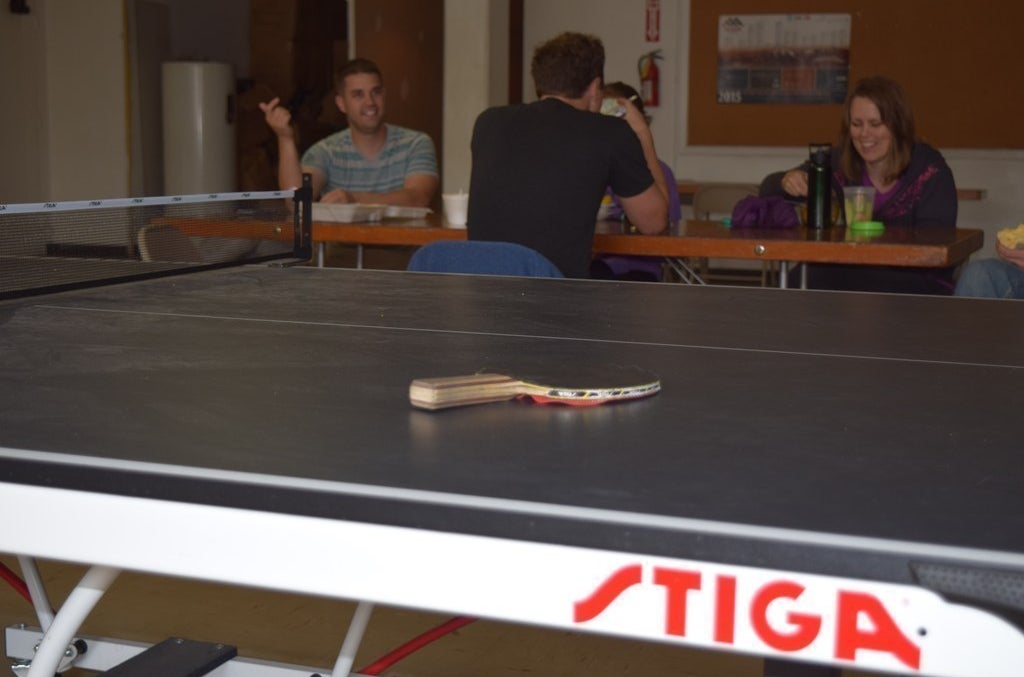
826	479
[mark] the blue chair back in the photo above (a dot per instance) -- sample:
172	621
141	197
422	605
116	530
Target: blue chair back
482	258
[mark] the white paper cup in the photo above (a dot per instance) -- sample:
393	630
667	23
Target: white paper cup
456	205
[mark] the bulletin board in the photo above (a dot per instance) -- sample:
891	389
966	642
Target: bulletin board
961	63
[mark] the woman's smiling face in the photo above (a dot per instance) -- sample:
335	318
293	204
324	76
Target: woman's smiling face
871	137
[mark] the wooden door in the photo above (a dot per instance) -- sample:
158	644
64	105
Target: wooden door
406	39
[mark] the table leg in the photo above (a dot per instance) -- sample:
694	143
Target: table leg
359	256
40	600
320	254
360	619
686	274
69	619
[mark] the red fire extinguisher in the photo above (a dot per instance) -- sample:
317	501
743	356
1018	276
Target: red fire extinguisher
649	77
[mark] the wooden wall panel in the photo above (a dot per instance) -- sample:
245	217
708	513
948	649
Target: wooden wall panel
962	63
406	39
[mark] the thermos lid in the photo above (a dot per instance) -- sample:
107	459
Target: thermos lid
820	153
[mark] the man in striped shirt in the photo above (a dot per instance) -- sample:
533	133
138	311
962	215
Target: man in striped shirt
370	161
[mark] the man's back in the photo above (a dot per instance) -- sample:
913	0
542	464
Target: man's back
539	173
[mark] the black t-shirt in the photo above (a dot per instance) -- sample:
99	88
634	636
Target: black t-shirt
539	173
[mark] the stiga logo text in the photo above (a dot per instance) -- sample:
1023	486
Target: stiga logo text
860	620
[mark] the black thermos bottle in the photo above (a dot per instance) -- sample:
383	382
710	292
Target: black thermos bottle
819	186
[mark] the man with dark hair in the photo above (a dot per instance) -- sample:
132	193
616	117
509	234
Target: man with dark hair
541	169
370	161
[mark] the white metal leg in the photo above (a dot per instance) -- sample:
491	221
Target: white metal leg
686	273
360	619
40	600
69	619
784	275
46	652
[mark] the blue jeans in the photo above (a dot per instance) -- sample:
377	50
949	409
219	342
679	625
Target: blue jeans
991	278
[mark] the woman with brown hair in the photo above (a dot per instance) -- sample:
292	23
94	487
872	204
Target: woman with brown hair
914	186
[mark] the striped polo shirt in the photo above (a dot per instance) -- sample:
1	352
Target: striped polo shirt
405	152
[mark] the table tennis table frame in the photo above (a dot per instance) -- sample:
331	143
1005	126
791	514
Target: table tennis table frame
54	649
511	580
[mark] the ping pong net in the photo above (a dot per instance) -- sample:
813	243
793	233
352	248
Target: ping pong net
58	246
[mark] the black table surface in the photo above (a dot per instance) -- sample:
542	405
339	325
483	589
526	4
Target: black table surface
846	434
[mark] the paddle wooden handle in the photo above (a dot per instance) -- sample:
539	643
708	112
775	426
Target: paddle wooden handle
457	391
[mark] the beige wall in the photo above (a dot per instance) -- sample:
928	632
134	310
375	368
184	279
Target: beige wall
65	128
86	77
23	123
475	77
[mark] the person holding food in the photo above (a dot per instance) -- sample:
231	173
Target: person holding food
998	278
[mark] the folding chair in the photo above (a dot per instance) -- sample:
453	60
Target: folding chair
482	258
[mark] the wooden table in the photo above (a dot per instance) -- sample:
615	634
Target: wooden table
687	188
408	232
706	239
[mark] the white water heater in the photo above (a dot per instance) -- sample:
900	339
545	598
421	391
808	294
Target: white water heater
199	127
